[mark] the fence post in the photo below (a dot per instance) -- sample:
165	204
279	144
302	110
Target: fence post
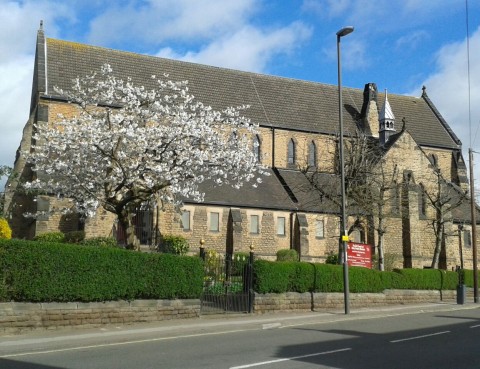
202	249
250	280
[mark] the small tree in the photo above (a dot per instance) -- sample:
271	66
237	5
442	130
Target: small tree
368	185
443	197
129	145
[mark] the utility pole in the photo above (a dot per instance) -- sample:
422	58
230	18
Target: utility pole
474	228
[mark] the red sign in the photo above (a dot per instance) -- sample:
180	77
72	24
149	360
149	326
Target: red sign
359	254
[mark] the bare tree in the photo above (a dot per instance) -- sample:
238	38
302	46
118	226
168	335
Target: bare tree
369	184
443	196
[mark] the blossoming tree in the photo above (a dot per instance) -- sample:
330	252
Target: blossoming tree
128	145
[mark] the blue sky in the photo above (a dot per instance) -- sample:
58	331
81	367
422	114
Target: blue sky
398	44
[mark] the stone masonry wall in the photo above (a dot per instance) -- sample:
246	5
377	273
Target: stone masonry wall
18	317
21	317
293	301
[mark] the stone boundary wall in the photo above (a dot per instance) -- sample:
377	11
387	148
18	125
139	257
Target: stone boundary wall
293	301
18	317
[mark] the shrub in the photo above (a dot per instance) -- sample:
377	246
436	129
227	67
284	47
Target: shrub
5	230
100	242
68	272
50	237
74	236
171	244
287	255
332	258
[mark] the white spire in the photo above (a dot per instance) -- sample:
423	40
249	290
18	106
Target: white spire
386	113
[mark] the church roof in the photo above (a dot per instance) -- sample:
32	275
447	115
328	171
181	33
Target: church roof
274	101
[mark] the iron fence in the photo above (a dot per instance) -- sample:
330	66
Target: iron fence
227	283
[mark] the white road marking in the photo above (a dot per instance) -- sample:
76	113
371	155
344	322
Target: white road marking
271	325
288	359
419	337
475	326
116	344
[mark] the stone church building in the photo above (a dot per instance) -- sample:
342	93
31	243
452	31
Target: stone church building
299	125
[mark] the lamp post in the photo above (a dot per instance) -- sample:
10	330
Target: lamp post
343	231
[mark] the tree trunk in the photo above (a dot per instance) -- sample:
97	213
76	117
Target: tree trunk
436	253
438	247
381	233
125	218
381	254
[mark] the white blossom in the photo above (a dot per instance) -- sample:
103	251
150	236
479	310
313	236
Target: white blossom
145	144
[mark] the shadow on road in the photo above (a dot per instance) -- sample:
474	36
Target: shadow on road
441	346
14	364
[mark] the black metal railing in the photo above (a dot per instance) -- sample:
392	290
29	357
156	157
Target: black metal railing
228	283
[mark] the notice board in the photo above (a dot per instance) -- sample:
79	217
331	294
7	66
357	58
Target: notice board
359	254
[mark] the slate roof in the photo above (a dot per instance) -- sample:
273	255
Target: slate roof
275	101
269	194
306	198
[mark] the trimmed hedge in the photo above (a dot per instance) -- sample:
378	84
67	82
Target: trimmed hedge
280	277
428	279
44	271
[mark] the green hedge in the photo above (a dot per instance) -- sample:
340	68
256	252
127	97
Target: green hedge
44	271
279	277
427	279
467	277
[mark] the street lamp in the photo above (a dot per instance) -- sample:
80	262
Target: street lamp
343	231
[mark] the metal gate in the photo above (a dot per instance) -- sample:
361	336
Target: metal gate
228	283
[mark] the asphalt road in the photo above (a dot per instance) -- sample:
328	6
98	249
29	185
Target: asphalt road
423	337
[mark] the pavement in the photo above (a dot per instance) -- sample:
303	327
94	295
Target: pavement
217	324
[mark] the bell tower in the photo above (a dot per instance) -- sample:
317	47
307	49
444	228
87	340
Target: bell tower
386	121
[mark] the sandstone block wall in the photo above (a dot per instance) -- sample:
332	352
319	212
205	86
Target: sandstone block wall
292	301
22	317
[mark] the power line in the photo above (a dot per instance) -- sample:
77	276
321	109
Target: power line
468	76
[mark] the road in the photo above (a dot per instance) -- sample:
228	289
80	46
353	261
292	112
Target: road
435	337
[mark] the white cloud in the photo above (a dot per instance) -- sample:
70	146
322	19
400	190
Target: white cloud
448	88
411	40
15	90
19	21
248	49
354	53
156	21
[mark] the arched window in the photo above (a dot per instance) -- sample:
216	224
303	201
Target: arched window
291	152
312	155
257	148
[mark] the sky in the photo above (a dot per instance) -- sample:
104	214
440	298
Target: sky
401	45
